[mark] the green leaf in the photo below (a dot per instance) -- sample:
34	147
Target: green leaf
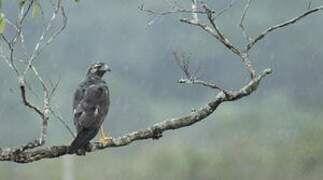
2	23
22	3
77	1
36	9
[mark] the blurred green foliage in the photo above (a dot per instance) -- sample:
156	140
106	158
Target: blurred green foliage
2	23
36	9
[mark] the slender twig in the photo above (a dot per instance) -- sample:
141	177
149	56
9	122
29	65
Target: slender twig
200	82
22	14
222	11
184	64
38	47
209	30
175	11
11	52
215	32
10	23
62	121
243	17
194	9
281	25
54	87
6	59
308	4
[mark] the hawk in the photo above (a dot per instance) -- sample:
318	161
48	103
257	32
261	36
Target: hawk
90	107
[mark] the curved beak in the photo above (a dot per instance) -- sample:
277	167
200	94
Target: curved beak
106	68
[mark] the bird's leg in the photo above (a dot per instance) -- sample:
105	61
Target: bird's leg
104	139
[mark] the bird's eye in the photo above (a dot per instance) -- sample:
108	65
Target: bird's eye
95	68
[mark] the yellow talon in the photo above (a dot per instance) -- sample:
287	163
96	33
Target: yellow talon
104	139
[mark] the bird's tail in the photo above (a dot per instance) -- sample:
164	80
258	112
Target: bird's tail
82	139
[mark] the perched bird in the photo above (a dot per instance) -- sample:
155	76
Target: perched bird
90	107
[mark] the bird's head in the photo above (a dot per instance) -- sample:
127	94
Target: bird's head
98	69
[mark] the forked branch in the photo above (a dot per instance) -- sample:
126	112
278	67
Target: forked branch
31	152
153	132
281	25
24	12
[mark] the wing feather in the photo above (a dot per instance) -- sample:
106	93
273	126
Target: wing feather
91	106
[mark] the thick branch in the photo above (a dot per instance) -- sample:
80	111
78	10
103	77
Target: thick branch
153	132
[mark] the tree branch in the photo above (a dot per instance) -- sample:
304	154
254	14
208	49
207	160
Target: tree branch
175	11
281	25
230	5
209	30
243	17
184	64
32	151
44	110
153	132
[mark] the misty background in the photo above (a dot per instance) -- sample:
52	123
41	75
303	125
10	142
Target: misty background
273	134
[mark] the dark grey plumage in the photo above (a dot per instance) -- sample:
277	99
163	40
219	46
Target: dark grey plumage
90	106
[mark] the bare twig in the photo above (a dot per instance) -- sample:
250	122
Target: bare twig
209	30
308	4
22	14
215	32
11	58
62	121
175	11
243	17
54	87
184	63
281	25
194	9
38	48
200	82
24	98
222	11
